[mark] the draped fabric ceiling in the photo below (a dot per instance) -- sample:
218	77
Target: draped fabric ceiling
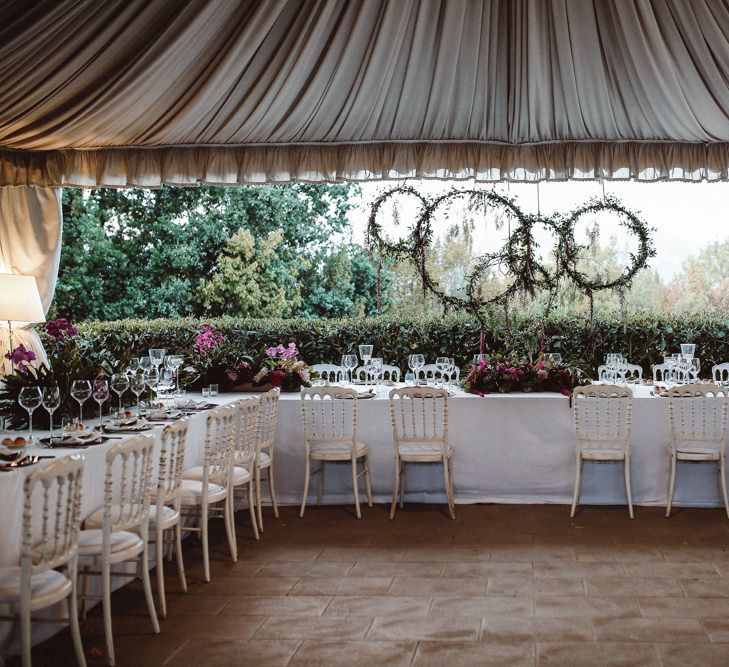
126	93
132	92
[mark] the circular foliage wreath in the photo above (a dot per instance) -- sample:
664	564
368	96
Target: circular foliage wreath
570	249
528	275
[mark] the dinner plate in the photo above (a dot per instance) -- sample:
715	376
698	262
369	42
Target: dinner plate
59	444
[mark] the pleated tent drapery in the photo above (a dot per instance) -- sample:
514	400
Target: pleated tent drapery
30	244
132	92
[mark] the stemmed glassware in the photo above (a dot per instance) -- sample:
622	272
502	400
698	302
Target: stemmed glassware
133	366
137	383
157	357
349	362
81	391
365	353
145	363
29	399
478	358
415	363
695	368
688	350
376	369
120	383
443	364
101	395
172	364
51	401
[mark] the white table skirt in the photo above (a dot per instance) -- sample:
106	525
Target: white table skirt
509	448
513	448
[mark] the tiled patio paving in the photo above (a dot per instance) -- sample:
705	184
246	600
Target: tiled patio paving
501	585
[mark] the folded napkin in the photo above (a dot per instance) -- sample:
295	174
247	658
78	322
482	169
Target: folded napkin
128	425
80	438
165	415
190	404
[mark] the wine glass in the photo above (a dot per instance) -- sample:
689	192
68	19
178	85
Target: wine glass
101	395
478	358
81	391
157	355
145	363
416	362
133	366
120	383
30	398
173	363
695	367
349	361
137	385
365	353
442	364
51	401
688	350
376	369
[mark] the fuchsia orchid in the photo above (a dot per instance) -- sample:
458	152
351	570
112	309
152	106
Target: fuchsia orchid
20	358
61	329
208	340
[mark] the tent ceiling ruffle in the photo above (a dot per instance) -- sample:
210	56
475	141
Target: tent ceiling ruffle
128	92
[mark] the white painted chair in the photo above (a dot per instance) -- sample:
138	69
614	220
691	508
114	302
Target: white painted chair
431	372
51	520
389	372
267	421
420	433
720	373
165	513
603	420
206	489
124	521
329	372
698	417
245	443
660	372
329	417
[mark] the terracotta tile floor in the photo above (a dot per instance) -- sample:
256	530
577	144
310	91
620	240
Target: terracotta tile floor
501	585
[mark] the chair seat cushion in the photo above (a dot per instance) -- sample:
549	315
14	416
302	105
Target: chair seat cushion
241	476
49	585
264	460
693	453
90	542
170	516
336	451
423	451
191	491
603	454
96	519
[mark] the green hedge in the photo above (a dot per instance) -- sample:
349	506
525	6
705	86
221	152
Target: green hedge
644	340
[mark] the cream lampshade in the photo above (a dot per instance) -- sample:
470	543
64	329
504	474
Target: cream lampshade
20	303
19	299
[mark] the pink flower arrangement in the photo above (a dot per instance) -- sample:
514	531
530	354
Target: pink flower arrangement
20	358
207	340
61	329
283	353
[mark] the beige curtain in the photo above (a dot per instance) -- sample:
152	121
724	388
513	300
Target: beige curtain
30	244
131	92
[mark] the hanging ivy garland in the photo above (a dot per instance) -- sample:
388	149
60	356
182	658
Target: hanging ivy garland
528	276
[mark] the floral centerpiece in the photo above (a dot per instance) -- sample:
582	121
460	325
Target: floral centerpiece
281	367
504	374
67	361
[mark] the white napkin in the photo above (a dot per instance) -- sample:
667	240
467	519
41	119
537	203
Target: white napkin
128	425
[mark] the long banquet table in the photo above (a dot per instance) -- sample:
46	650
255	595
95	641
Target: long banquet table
513	448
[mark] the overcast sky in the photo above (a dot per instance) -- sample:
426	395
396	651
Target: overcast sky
686	216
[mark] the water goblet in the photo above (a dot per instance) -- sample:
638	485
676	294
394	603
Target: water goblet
29	399
137	383
145	363
101	395
173	363
695	368
442	364
416	362
51	402
120	383
349	361
376	367
688	350
133	366
81	391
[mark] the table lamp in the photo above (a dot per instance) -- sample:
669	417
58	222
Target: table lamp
19	301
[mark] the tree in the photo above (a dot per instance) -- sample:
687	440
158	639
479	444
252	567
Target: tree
146	253
250	279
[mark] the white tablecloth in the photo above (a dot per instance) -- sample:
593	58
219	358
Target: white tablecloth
514	448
